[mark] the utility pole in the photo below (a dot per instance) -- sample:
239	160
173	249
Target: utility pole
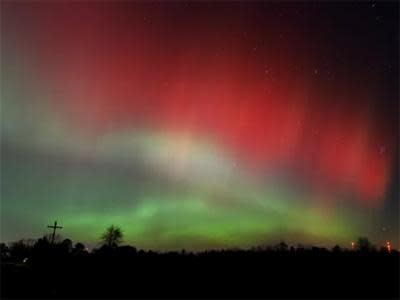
55	227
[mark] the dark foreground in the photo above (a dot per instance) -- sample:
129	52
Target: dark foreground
127	273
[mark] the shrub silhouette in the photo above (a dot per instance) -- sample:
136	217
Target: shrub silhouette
336	249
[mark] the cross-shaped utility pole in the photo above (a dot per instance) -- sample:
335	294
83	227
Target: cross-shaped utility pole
54	230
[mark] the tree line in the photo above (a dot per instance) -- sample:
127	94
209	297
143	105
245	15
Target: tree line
112	239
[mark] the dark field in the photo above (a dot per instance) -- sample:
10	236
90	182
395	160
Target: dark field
124	272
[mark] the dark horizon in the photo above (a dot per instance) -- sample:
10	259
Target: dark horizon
263	246
115	271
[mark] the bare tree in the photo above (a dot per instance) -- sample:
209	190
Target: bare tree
112	237
57	239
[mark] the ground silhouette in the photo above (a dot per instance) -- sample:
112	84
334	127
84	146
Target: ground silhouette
45	270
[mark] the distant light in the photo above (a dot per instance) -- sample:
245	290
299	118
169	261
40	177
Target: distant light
389	247
352	245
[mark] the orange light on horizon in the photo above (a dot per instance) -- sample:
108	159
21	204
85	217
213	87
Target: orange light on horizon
389	247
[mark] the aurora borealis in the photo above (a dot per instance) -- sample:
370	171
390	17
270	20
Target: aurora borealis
200	125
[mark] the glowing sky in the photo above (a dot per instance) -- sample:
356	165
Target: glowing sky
197	125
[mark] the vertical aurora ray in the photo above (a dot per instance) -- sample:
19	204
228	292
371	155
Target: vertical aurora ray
217	135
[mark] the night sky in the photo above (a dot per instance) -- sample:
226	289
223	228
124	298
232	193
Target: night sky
200	125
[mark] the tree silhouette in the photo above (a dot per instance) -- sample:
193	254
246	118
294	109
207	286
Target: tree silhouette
66	245
79	247
112	237
57	238
282	246
4	250
21	249
363	244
